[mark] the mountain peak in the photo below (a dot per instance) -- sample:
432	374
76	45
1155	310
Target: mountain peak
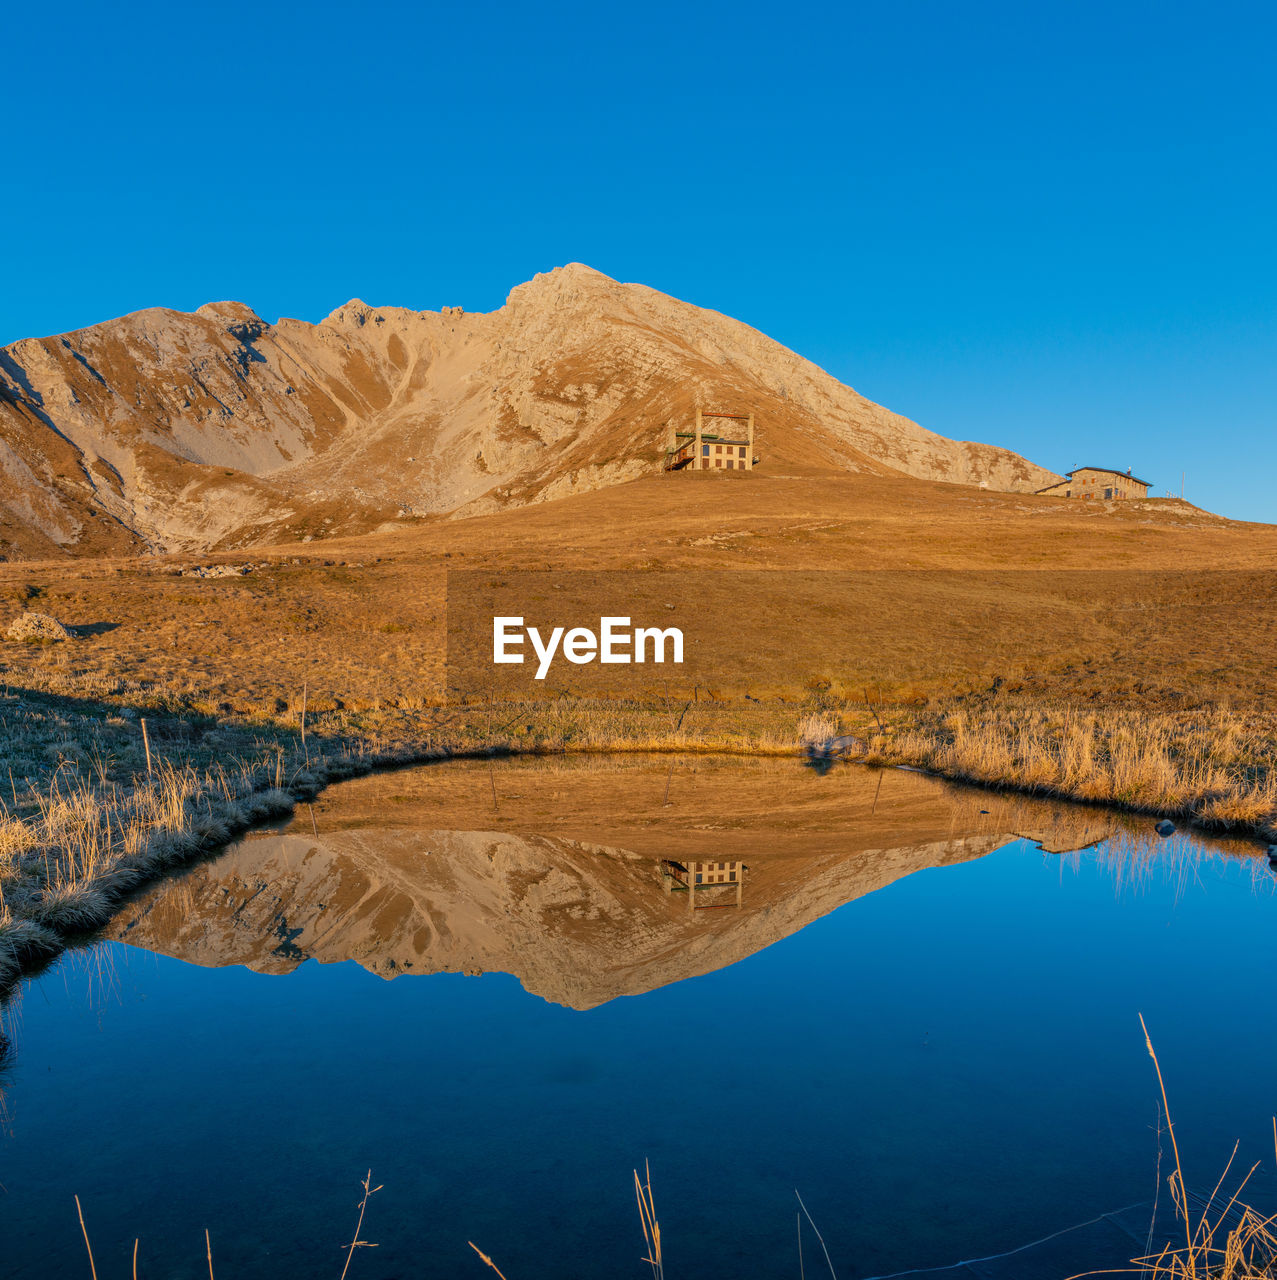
573	279
235	312
356	312
185	439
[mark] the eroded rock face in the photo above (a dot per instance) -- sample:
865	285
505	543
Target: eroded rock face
171	431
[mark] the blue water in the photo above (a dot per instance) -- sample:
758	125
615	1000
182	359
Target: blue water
946	1068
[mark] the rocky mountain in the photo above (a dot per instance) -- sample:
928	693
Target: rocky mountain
166	431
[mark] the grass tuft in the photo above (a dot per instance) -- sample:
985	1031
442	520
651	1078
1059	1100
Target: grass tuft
1213	769
1212	1249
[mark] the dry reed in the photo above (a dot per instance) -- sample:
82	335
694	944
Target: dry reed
355	1241
487	1262
651	1225
1212	1249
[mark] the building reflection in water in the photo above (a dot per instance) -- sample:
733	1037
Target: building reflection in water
703	882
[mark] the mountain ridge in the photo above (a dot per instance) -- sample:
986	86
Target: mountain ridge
169	431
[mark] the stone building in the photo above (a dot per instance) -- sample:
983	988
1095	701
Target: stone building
1098	482
701	450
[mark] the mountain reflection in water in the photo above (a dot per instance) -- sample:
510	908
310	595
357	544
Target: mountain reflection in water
576	879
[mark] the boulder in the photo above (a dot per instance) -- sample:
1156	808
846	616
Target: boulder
216	570
38	626
1166	827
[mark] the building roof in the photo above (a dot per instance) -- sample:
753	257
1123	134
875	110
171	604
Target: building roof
1112	471
1126	475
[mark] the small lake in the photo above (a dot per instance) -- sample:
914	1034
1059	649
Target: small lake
503	987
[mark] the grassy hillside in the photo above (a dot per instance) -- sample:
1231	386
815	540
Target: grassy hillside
939	588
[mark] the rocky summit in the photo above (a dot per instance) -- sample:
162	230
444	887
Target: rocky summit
166	431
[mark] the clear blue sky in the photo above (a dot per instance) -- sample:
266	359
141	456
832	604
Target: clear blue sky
1047	226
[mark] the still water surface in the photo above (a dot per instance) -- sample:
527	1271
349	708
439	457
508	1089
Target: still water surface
886	993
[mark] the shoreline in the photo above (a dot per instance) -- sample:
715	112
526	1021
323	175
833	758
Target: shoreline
72	851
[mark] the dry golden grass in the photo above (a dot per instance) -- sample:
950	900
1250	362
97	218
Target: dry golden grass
355	1241
349	1250
93	804
956	588
1215	769
67	865
651	1225
1212	1249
